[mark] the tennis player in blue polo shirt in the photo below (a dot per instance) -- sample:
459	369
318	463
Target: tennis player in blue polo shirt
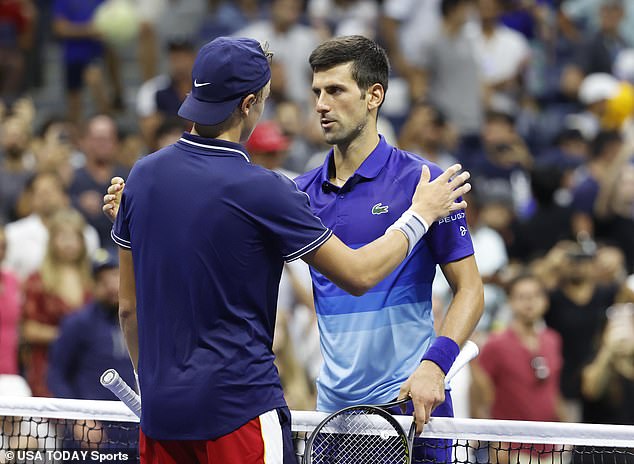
373	345
203	236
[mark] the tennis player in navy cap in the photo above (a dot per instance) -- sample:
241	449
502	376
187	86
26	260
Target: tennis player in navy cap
203	235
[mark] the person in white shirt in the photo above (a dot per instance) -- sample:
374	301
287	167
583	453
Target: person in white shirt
27	238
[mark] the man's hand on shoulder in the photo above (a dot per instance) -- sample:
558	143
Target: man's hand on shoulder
436	199
112	198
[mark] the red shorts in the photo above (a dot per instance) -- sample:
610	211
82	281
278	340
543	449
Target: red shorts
263	440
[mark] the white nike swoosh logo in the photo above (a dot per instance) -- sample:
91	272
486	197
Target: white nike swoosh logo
201	84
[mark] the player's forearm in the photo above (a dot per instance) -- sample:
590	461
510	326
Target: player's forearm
127	305
466	306
128	321
357	271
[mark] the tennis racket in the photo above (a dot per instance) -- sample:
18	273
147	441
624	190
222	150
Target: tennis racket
113	382
369	433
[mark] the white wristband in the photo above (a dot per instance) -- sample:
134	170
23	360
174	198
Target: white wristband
413	226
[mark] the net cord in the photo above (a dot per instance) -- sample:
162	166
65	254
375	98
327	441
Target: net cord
620	436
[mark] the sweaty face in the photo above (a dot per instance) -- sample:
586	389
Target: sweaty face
342	107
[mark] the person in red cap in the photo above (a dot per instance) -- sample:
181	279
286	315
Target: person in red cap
268	147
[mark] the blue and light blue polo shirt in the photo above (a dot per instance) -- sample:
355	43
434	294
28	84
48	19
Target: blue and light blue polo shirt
372	343
209	233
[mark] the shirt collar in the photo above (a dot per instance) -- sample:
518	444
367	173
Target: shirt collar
204	144
371	166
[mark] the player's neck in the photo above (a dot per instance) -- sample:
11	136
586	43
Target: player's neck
232	134
349	156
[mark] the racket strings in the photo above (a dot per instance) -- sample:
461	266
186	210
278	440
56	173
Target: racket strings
359	437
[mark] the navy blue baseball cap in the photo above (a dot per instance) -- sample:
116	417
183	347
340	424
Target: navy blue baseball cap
225	71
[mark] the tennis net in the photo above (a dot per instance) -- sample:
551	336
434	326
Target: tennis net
46	430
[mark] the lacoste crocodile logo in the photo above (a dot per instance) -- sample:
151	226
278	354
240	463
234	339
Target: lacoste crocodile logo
380	209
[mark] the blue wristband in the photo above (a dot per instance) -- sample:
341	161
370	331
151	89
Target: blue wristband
443	352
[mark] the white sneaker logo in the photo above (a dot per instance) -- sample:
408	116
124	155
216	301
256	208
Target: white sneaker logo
201	84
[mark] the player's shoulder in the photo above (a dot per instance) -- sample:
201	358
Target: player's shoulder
150	161
408	164
263	182
309	177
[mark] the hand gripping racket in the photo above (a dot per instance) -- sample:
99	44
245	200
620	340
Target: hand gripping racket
113	382
369	434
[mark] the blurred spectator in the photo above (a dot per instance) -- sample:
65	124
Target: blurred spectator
595	93
529	239
504	162
10	314
614	205
605	150
502	53
529	18
597	54
608	380
610	270
27	238
267	147
55	148
408	27
224	17
305	138
160	97
290	41
61	285
585	14
517	374
131	148
150	12
90	340
334	18
427	131
297	390
568	151
83	55
100	144
452	70
577	312
16	166
169	132
17	18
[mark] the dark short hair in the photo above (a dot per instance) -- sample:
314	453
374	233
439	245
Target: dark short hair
370	64
180	45
603	140
497	116
521	277
449	6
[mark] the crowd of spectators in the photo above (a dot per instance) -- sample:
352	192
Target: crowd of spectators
534	97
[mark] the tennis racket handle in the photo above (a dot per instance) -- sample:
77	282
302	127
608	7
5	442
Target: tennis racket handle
113	382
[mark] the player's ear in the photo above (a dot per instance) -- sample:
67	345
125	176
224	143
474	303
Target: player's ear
247	102
376	95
